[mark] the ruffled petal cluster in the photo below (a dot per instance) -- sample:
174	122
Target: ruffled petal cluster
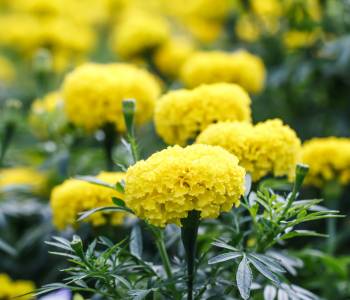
239	67
266	148
169	184
139	33
25	176
181	114
329	159
74	196
93	94
170	57
12	289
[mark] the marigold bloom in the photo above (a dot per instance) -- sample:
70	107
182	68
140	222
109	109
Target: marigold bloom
297	39
170	57
93	94
47	117
238	67
26	176
10	289
266	148
172	182
138	33
180	115
74	196
328	158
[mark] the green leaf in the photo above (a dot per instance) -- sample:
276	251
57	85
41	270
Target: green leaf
298	233
271	262
270	292
222	244
264	270
118	202
136	241
94	180
224	257
7	248
139	294
120	187
88	213
244	278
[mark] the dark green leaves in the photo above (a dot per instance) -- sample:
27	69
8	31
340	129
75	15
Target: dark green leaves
136	241
244	278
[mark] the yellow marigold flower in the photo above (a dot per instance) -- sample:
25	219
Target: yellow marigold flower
7	71
297	39
93	94
266	148
181	114
47	117
23	32
29	177
202	30
74	196
170	57
138	33
328	158
208	9
247	28
238	67
172	182
302	9
10	289
272	8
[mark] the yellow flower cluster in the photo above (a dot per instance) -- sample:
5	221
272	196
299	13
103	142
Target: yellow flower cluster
294	39
10	289
328	158
74	196
46	116
26	176
238	67
172	182
93	94
7	71
170	57
181	114
266	148
139	33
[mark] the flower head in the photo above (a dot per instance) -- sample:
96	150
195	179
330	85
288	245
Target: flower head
10	289
74	196
180	115
238	67
93	94
328	159
138	33
25	176
266	148
171	56
172	182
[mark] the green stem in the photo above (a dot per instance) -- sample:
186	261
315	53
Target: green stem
108	144
189	233
8	134
163	254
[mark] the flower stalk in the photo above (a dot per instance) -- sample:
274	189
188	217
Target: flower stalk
189	233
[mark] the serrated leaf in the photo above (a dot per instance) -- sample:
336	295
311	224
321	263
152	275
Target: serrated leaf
264	270
88	213
222	244
298	233
94	180
244	278
136	241
271	262
5	247
270	292
224	257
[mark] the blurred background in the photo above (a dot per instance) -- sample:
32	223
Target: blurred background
305	48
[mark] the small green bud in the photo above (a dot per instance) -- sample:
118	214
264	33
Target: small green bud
42	62
300	174
77	246
129	108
